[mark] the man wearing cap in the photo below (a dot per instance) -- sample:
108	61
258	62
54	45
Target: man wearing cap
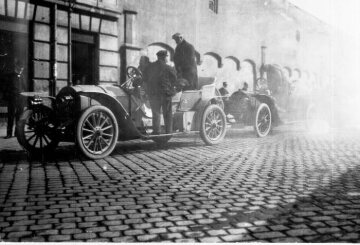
159	81
185	61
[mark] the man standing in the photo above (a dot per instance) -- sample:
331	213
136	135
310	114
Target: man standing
159	81
14	85
185	61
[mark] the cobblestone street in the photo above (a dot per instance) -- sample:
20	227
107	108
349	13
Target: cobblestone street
291	186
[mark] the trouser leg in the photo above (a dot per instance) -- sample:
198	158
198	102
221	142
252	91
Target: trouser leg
11	116
155	104
18	111
167	113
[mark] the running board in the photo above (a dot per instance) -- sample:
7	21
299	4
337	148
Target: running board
149	137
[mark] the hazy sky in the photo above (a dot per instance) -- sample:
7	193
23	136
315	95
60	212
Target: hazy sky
343	14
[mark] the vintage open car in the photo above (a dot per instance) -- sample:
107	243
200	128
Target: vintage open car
95	117
296	101
256	109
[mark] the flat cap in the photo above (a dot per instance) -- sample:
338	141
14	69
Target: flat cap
162	53
176	35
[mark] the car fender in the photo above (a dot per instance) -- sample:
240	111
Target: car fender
127	129
262	98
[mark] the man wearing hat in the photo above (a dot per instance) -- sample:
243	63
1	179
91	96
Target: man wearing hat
185	61
159	81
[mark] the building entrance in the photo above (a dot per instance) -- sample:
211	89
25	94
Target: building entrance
83	59
13	45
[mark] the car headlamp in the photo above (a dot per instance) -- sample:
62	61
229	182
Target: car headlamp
36	100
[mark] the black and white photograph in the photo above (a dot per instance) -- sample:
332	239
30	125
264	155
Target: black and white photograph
191	121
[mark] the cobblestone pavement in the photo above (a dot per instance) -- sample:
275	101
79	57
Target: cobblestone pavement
289	187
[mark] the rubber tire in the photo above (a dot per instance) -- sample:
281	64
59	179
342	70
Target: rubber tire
258	109
78	132
20	134
203	135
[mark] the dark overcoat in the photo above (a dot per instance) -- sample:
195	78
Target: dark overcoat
159	78
185	63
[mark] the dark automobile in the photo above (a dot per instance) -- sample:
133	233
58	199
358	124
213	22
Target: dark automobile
252	109
95	117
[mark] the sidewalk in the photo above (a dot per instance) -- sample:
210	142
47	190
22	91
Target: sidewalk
8	144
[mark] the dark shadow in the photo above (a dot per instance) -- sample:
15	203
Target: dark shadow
70	152
326	214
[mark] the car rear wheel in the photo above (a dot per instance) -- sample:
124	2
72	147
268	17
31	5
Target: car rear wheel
36	132
213	125
97	132
262	124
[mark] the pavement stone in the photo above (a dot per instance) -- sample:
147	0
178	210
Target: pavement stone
291	186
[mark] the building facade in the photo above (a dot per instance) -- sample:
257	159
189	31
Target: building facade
65	42
228	36
60	43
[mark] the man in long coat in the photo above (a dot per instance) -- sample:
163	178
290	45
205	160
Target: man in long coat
13	89
185	61
159	82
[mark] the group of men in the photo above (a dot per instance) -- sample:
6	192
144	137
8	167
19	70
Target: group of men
161	80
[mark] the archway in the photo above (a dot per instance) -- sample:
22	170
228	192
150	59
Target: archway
235	60
216	57
247	74
153	48
230	74
287	72
209	66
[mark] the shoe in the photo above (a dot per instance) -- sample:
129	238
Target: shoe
7	137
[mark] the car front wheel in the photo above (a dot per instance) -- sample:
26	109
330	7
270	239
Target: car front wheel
262	124
213	125
97	132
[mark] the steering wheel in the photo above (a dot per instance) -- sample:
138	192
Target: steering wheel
134	75
133	72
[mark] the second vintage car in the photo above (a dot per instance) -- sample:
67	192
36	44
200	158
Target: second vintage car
252	109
